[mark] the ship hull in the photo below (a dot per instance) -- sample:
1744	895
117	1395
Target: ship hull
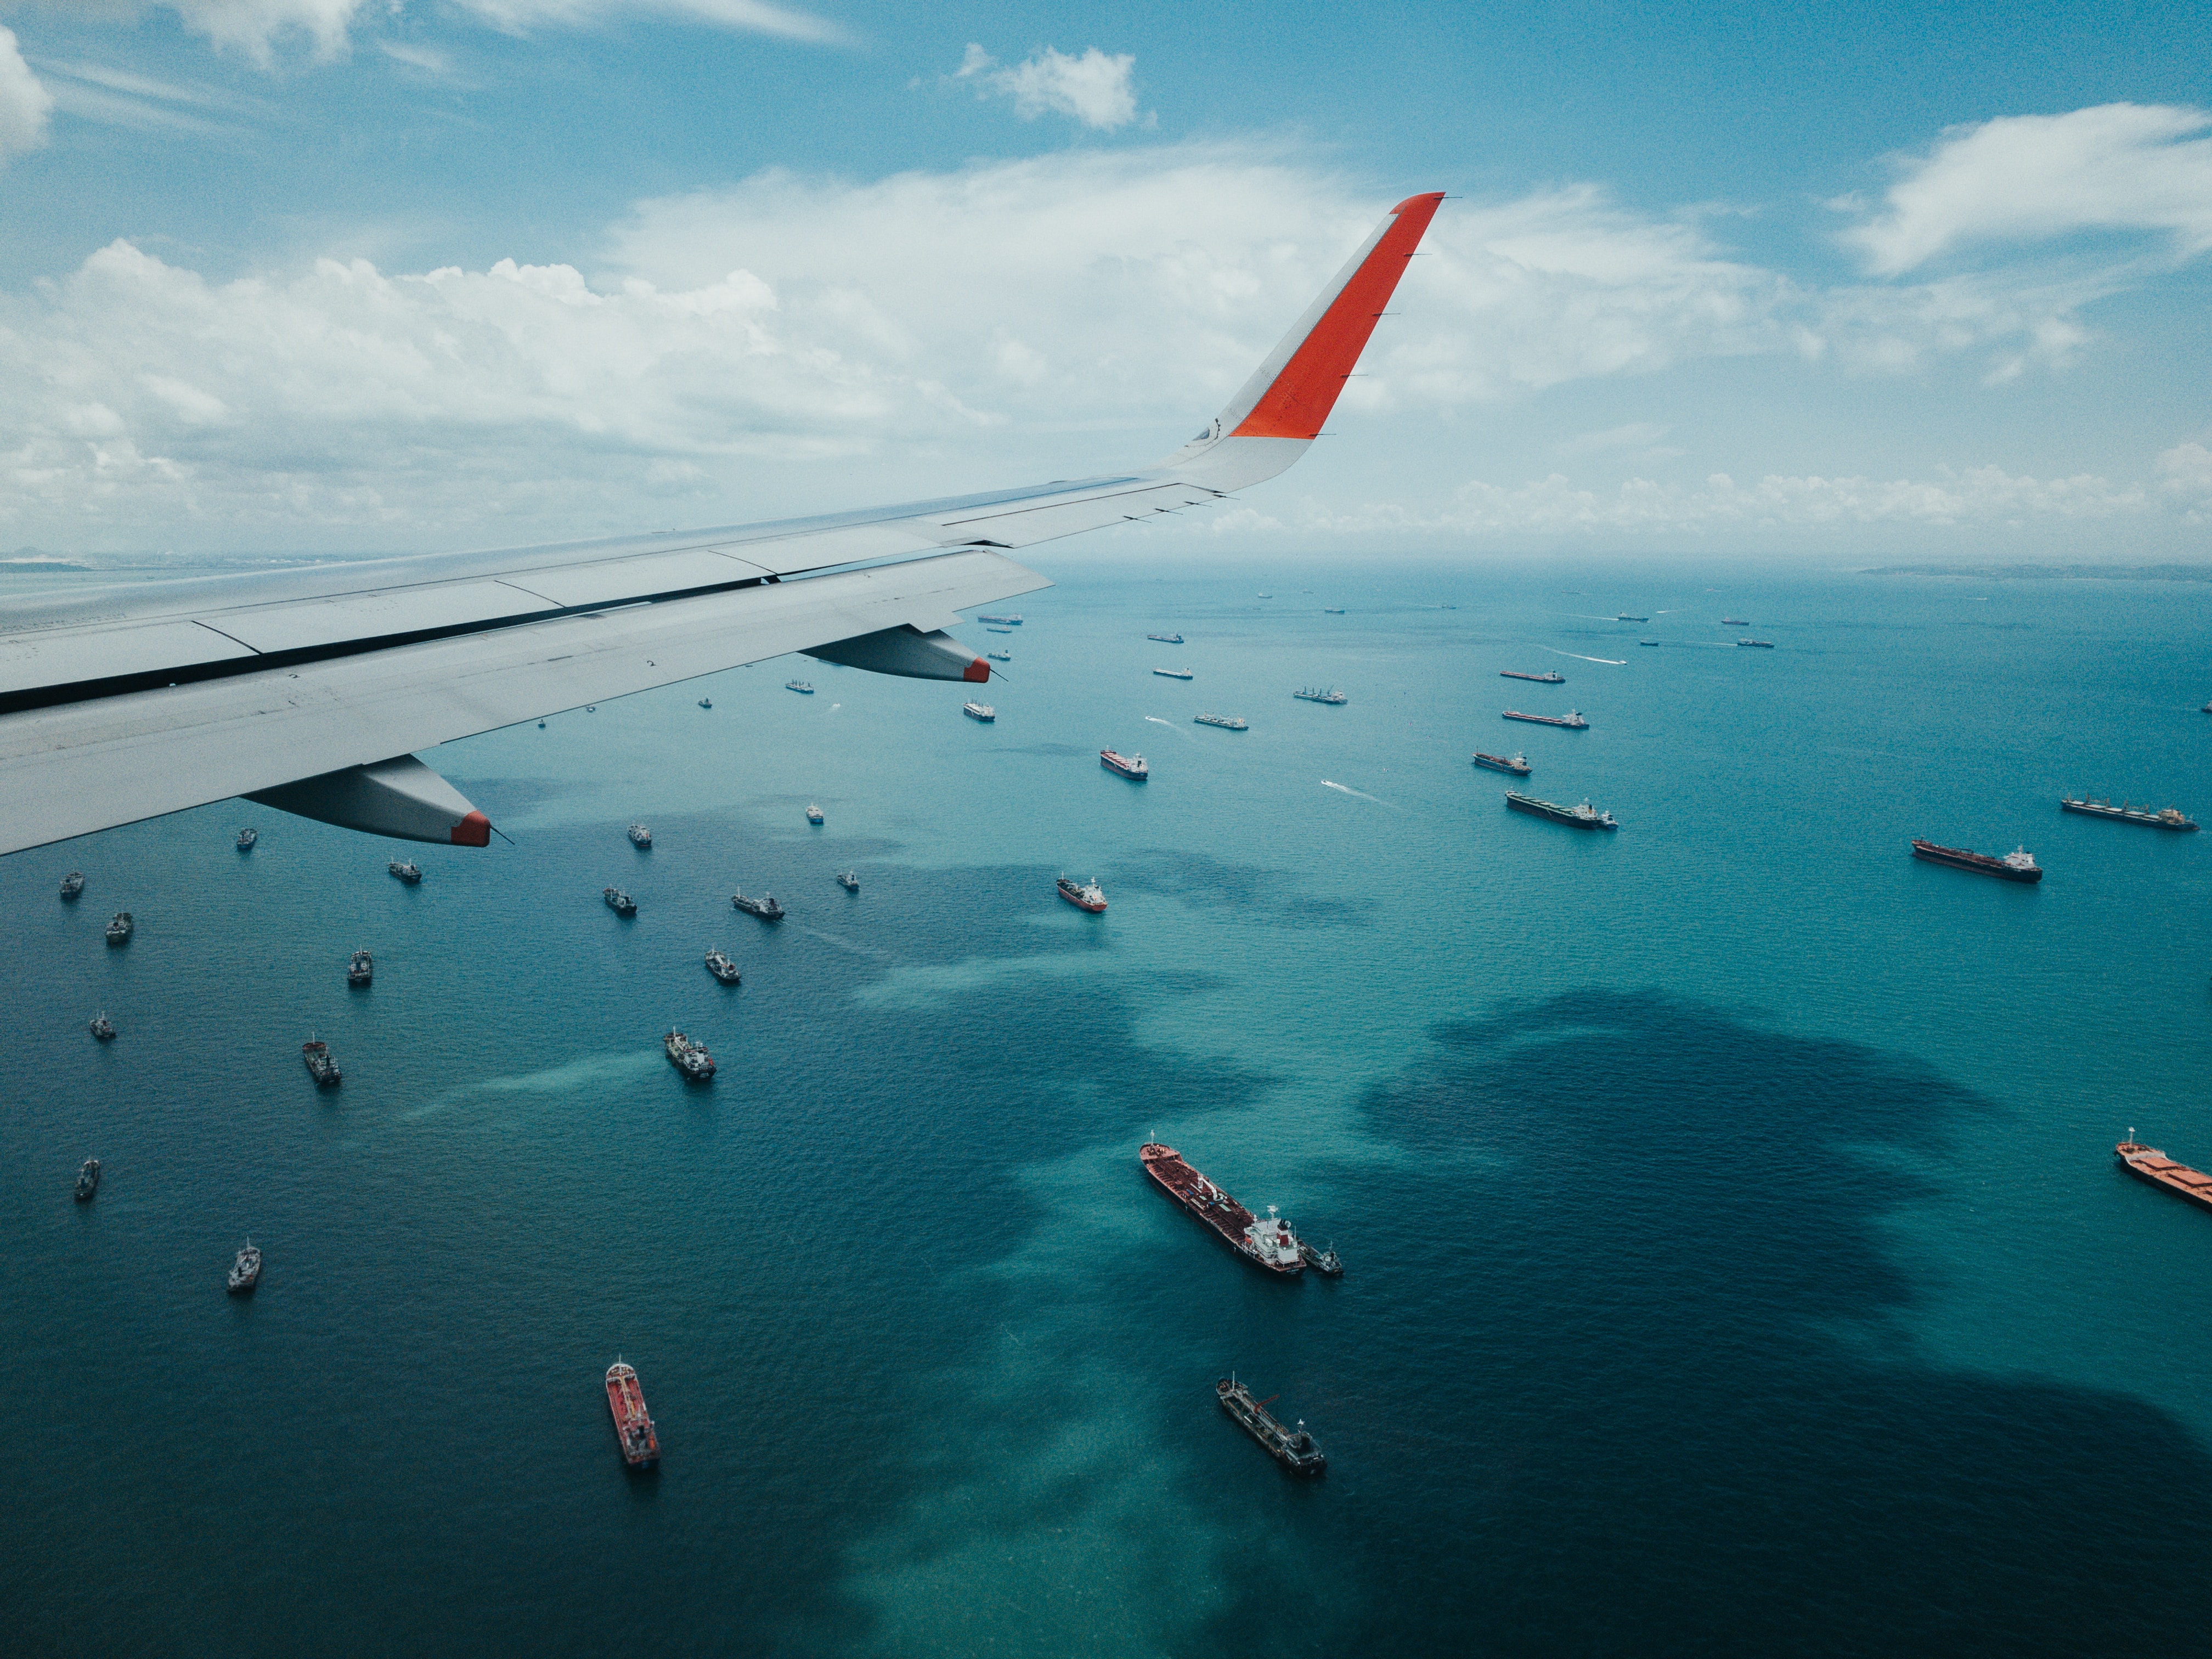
1222	1215
1554	814
1540	679
1958	859
2120	815
1499	764
1122	767
1075	897
634	1430
2155	1169
1548	720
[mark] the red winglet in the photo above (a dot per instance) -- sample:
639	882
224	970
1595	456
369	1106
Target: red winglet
474	831
977	673
1299	399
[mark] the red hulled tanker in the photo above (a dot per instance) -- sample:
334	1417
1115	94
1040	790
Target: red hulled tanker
1268	1243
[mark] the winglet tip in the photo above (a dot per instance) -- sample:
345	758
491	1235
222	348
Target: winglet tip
977	672
474	831
1427	197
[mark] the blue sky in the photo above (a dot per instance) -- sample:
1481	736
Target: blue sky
355	274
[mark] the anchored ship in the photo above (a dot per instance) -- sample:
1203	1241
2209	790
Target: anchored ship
765	908
1129	766
1551	679
1166	638
1516	762
813	814
1585	817
1085	896
2018	864
980	711
2150	1164
1268	1243
360	970
410	874
641	1446
1001	622
619	902
72	883
88	1180
246	838
640	836
1293	1448
2166	818
849	880
1175	673
1322	1262
688	1057
1625	617
103	1028
1758	645
721	967
121	927
1322	694
1735	622
316	1057
800	686
245	1272
704	702
1574	722
999	656
1226	722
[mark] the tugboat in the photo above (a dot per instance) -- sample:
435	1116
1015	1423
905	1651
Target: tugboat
800	686
1585	817
1293	1448
980	711
814	815
641	1446
641	837
721	967
1226	722
1166	638
1574	722
410	874
1175	673
688	1057
1516	762
1322	1262
1328	695
72	885
246	838
619	902
1553	677
849	880
316	1056
766	909
1131	767
245	1272
360	970
102	1027
2167	817
1085	895
2019	865
121	927
88	1180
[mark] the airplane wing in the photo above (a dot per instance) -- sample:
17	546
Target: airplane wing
310	689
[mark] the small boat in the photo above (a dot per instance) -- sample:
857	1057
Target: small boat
246	838
721	967
410	874
1758	645
1226	722
706	703
1735	622
1003	621
1516	762
102	1027
2167	817
245	1272
1574	722
1551	677
1266	596
1084	896
1131	767
641	837
72	883
121	927
849	880
813	814
360	970
641	1446
980	711
1166	638
1321	693
765	908
619	902
1293	1448
1175	673
316	1057
800	686
88	1180
688	1057
998	656
1322	1262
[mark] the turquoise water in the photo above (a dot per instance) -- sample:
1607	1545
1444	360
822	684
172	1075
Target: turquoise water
1736	1263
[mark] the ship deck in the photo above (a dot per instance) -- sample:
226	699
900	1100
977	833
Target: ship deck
2149	1164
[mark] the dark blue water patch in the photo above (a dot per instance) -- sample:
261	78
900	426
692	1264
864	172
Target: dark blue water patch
1259	894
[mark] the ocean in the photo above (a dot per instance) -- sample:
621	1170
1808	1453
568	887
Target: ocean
1736	1263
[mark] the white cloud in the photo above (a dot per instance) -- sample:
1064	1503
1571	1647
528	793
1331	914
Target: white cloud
2024	178
1094	89
23	102
256	27
752	17
2185	481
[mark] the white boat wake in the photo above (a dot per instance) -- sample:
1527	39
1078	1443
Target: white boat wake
1171	726
1617	662
1360	793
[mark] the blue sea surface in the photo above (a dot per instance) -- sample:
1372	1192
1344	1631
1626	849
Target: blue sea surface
1736	1260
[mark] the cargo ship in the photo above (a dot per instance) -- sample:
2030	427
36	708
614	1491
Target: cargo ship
999	656
765	908
980	711
88	1180
72	883
641	837
1574	722
2167	817
1084	896
688	1057
1166	638
1552	679
619	902
120	928
2150	1164
1002	622
245	1272
720	965
1268	1243
1328	695
800	686
1175	673
1129	766
1585	817
1735	622
246	838
2018	864
814	815
641	1446
102	1028
360	970
316	1057
1293	1448
849	880
410	874
1625	617
1516	762
1226	722
1758	645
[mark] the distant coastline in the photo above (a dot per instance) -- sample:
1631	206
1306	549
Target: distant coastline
2006	573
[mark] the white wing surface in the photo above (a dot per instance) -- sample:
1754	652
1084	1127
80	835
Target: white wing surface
311	689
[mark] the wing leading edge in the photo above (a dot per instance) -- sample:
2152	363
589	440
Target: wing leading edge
311	688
